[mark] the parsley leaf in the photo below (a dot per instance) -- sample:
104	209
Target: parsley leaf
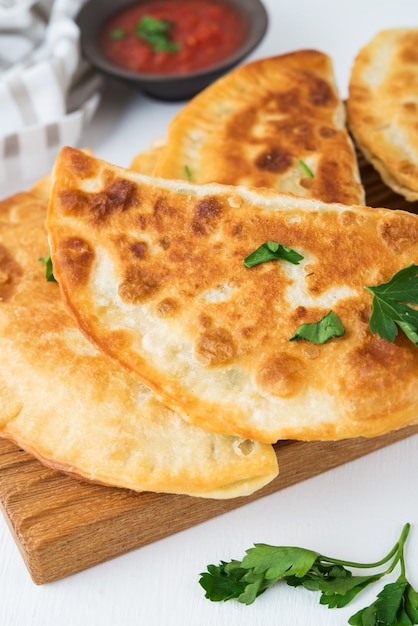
156	33
270	251
263	565
277	562
390	607
188	172
223	582
49	272
338	592
390	305
320	332
118	33
306	168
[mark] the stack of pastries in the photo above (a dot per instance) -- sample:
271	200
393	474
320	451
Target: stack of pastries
156	357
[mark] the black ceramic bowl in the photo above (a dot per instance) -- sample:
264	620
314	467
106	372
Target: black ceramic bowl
95	13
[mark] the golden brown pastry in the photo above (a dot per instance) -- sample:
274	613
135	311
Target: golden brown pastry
153	272
382	107
277	122
76	411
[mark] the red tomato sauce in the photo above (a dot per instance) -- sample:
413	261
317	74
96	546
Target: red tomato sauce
205	32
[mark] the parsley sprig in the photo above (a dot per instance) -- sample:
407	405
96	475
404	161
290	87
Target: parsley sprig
264	565
157	33
270	251
49	270
390	305
320	332
188	172
306	168
118	33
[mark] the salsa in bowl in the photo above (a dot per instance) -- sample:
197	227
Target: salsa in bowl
171	49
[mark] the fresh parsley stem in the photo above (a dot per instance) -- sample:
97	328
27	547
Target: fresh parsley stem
402	561
397	549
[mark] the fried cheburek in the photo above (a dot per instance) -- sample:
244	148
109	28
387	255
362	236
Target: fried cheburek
72	408
277	122
382	107
153	273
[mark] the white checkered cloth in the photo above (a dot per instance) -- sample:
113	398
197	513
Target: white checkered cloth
47	93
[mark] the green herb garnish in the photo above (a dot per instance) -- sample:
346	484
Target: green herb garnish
270	251
188	172
306	168
49	272
320	332
118	33
389	305
156	33
264	565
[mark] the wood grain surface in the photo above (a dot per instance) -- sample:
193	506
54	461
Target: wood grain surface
63	526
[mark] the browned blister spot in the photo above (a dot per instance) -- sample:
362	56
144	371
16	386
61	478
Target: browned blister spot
300	311
237	229
215	347
306	182
10	274
72	201
97	207
298	135
327	132
163	211
409	51
164	242
364	312
82	165
281	375
75	257
274	160
205	321
410	107
138	284
399	231
206	215
130	250
288	101
138	249
118	196
320	93
167	307
247	332
302	315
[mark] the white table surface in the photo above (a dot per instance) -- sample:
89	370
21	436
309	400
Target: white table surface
355	511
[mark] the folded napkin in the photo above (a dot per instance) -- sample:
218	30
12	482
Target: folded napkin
47	92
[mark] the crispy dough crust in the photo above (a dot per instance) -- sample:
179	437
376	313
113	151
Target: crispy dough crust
254	125
382	107
153	273
76	411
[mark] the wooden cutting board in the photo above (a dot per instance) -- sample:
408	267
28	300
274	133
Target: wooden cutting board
63	526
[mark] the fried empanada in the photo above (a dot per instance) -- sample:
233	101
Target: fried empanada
382	107
75	410
153	272
277	122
